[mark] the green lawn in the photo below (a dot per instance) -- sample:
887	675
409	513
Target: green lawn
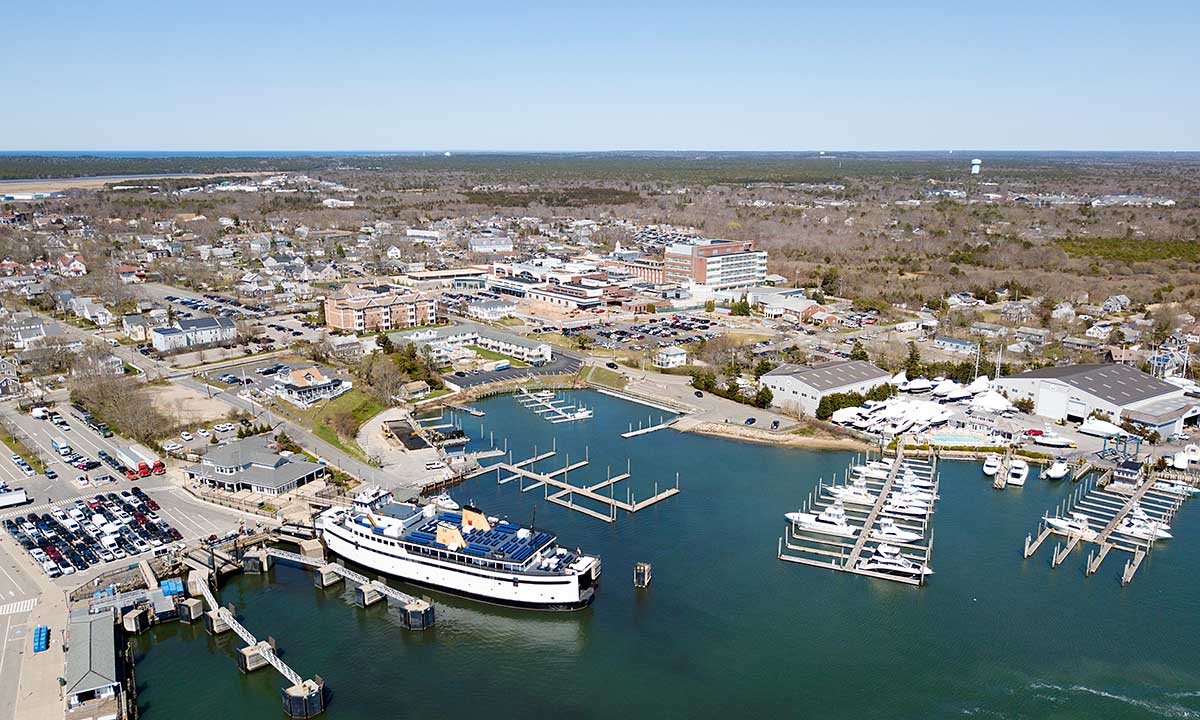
318	419
493	355
611	378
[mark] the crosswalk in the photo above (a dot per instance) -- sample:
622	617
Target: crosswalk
18	606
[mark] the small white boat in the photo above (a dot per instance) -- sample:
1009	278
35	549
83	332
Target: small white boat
1058	470
909	492
830	521
916	386
991	465
888	531
1074	524
445	502
1180	460
1017	472
887	560
1052	440
1193	452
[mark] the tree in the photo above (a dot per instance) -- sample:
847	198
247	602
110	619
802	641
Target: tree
763	397
762	367
385	344
583	341
740	307
912	364
829	281
710	306
858	352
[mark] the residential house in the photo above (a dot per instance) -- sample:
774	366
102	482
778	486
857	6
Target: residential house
490	310
951	344
1116	303
988	330
1033	336
1080	344
138	327
414	390
71	266
304	387
194	333
670	357
446	343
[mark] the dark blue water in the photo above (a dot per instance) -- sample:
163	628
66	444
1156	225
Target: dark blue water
726	628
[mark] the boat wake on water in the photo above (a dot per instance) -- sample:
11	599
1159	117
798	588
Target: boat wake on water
1156	707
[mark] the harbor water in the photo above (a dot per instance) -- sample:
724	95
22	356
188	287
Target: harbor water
725	628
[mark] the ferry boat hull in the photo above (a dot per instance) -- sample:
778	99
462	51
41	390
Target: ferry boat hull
570	592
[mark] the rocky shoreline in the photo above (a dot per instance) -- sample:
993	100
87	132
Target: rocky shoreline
767	437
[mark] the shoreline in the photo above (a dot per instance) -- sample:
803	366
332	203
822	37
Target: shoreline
763	437
97	182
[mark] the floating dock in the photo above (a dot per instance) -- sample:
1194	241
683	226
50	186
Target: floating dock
844	554
546	404
650	427
1099	510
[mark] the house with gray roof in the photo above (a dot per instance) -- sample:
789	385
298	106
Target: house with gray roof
1073	392
799	388
252	464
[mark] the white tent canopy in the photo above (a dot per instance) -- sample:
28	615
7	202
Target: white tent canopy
991	401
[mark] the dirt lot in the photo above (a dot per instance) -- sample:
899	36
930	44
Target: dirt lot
185	405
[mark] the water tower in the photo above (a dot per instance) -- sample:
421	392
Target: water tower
975	165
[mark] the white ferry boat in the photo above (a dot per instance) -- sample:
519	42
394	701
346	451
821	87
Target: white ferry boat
465	553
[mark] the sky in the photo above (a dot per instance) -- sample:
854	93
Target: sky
570	76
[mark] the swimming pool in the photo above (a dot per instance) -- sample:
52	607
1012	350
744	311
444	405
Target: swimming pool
947	439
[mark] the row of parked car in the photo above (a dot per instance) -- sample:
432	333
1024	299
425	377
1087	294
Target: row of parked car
25	467
106	528
205	433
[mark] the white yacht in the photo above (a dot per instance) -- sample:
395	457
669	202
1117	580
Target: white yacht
1137	513
991	465
1175	488
1050	439
888	560
1017	472
1058	470
917	386
906	506
1074	524
1141	529
855	493
830	521
888	531
910	492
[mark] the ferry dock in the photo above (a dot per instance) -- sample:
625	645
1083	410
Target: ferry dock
838	553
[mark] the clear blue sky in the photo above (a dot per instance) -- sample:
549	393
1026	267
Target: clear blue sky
865	75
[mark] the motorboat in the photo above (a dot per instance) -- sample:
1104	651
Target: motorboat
870	471
1074	524
916	386
1180	460
1137	513
1141	529
1058	470
1100	428
909	492
1175	488
830	521
445	502
906	506
1050	439
1017	472
890	532
887	559
991	465
855	493
1193	452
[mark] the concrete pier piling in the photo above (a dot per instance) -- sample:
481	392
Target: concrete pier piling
191	609
305	699
326	575
214	622
367	595
251	658
257	561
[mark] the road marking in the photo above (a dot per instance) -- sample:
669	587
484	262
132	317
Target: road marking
11	579
2	653
19	606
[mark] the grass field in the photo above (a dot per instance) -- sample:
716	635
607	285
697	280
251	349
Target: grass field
319	419
493	355
604	376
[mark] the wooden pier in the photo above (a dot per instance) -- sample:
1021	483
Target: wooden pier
1001	480
1100	503
564	492
835	552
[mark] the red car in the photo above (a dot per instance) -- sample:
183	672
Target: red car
1033	432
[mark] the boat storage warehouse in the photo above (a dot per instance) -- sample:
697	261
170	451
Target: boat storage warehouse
801	387
1073	392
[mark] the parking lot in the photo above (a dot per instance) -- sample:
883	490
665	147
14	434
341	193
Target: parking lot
562	364
660	332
